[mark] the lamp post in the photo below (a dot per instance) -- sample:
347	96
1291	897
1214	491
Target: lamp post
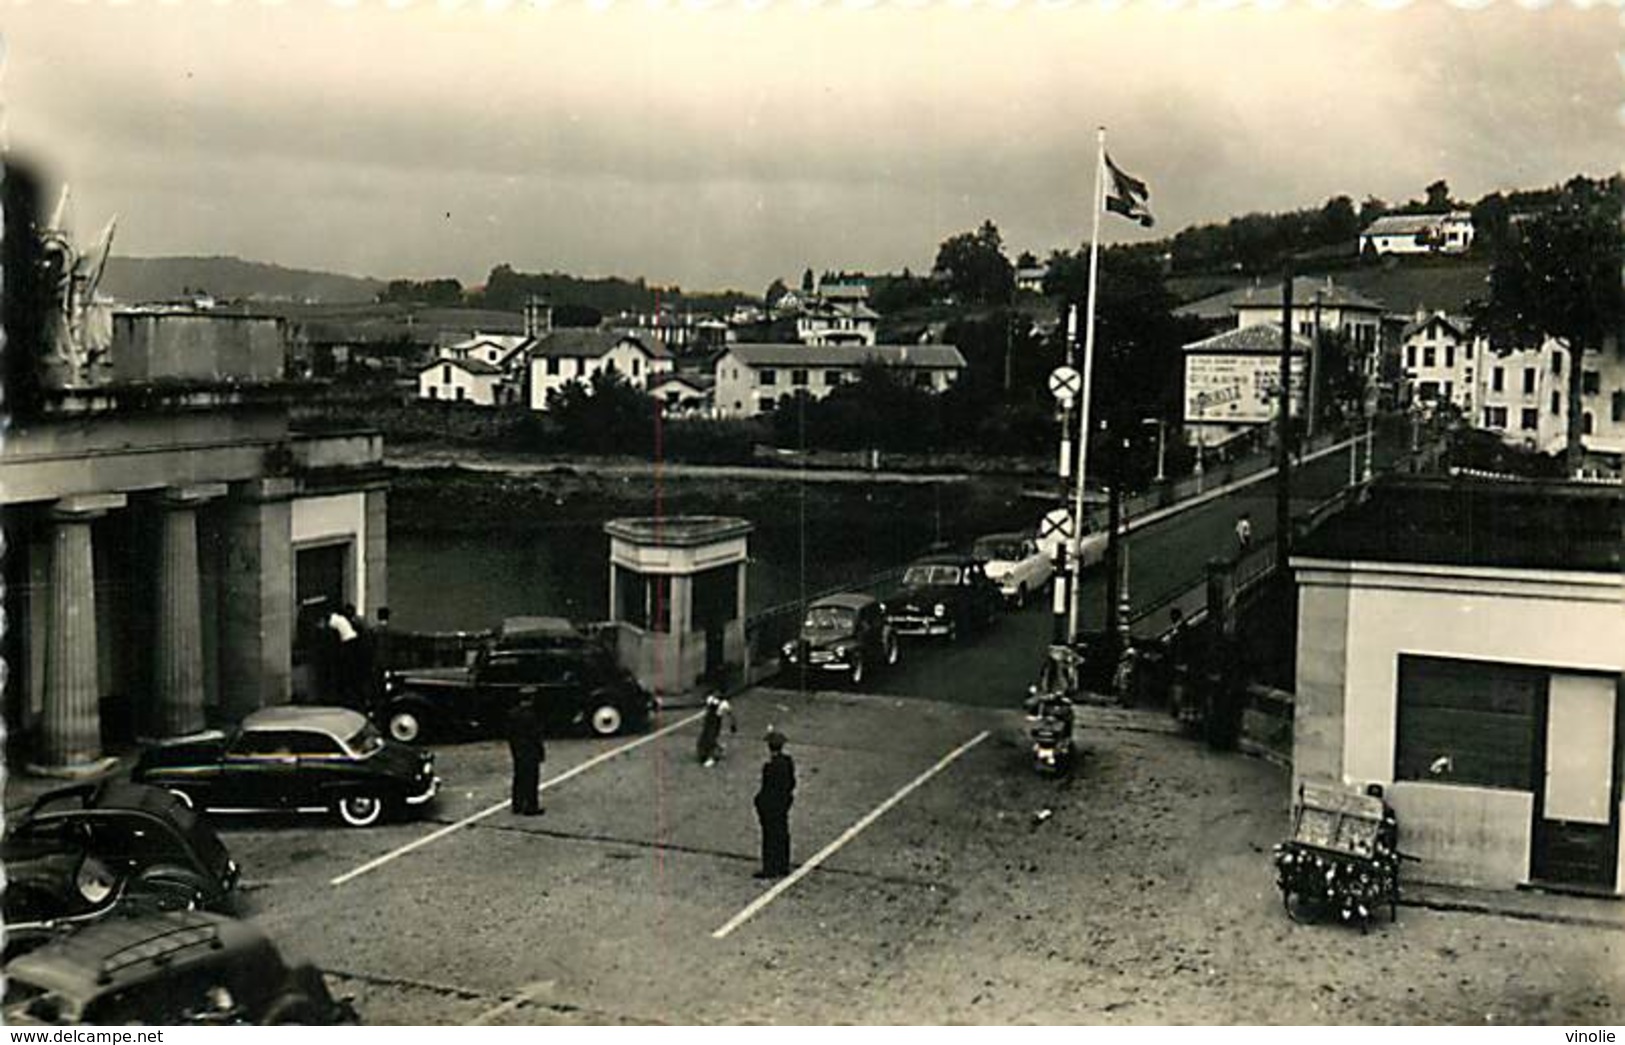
1161	446
1201	435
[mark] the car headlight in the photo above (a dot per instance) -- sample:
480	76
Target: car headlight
939	610
789	649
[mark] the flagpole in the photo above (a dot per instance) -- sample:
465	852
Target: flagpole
1088	371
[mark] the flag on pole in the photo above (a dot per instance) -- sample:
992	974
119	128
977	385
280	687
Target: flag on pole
1128	196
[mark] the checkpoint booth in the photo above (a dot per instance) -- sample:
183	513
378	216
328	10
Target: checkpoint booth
677	599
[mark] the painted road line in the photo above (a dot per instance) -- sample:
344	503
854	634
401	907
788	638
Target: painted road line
373	865
846	836
517	1000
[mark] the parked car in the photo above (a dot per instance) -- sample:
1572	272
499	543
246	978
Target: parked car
574	682
79	853
296	759
845	633
946	594
174	968
1016	563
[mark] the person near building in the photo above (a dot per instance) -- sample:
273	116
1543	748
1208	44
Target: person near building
1244	533
528	753
773	801
709	746
345	646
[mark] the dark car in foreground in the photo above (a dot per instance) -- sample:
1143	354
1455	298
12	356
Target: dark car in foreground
947	594
846	633
175	968
573	681
80	853
296	760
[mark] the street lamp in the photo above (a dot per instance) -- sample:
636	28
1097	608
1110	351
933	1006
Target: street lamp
1201	435
1161	445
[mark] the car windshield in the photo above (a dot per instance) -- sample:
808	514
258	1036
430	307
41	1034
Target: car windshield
829	618
933	574
998	550
366	740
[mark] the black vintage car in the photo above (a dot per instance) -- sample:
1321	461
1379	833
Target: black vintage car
574	682
947	594
296	759
79	853
845	633
176	968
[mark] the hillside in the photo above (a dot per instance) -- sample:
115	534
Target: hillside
157	279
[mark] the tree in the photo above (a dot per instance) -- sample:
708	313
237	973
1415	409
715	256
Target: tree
445	293
1026	260
1439	196
775	291
974	266
807	281
1558	275
604	414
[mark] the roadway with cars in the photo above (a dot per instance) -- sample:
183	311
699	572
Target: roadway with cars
938	880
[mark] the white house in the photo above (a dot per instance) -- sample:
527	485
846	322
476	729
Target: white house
1462	643
1030	278
1524	395
463	381
1450	233
752	378
683	392
1438	353
496	349
824	322
576	354
1319	306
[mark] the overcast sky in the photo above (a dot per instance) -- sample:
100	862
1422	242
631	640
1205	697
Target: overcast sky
723	147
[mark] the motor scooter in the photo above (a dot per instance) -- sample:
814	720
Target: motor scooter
1049	724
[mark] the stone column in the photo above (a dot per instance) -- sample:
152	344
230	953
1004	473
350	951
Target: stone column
256	597
70	722
375	548
178	653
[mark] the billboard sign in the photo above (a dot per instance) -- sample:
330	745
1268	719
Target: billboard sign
1237	388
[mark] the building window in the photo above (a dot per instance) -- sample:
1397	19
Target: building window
1557	402
445	375
1427	391
637	365
1531	419
1557	363
1467	350
1498	379
1467	722
553	366
767	404
1619	407
1528	380
1410	357
434	392
768	377
1430	356
1449	391
1591	382
643	600
798	378
1450	356
1495	417
459	396
833	377
1587	423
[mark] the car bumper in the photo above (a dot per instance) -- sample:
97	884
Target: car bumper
921	625
427	794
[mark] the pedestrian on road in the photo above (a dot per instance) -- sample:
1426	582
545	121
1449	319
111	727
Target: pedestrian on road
525	745
773	802
1244	533
709	747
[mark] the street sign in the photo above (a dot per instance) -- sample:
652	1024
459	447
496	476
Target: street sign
1065	383
1056	525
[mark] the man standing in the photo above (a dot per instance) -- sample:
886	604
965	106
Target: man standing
525	745
773	802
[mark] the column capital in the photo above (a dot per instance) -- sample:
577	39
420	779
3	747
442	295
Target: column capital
84	507
193	495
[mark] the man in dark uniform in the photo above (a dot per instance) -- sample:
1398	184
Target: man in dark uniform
525	745
773	801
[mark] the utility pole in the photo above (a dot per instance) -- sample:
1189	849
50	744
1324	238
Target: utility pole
1283	451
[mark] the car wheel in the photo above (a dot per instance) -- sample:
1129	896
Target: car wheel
894	652
606	720
186	799
858	671
405	726
361	810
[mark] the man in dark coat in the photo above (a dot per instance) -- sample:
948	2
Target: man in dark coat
525	745
773	802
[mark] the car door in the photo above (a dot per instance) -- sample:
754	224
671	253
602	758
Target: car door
504	677
323	764
258	771
560	685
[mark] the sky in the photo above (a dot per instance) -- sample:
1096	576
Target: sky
714	145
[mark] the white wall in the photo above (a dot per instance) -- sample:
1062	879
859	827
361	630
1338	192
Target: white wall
330	519
446	378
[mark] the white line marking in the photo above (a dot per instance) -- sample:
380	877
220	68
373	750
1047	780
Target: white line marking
373	865
846	836
517	1000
